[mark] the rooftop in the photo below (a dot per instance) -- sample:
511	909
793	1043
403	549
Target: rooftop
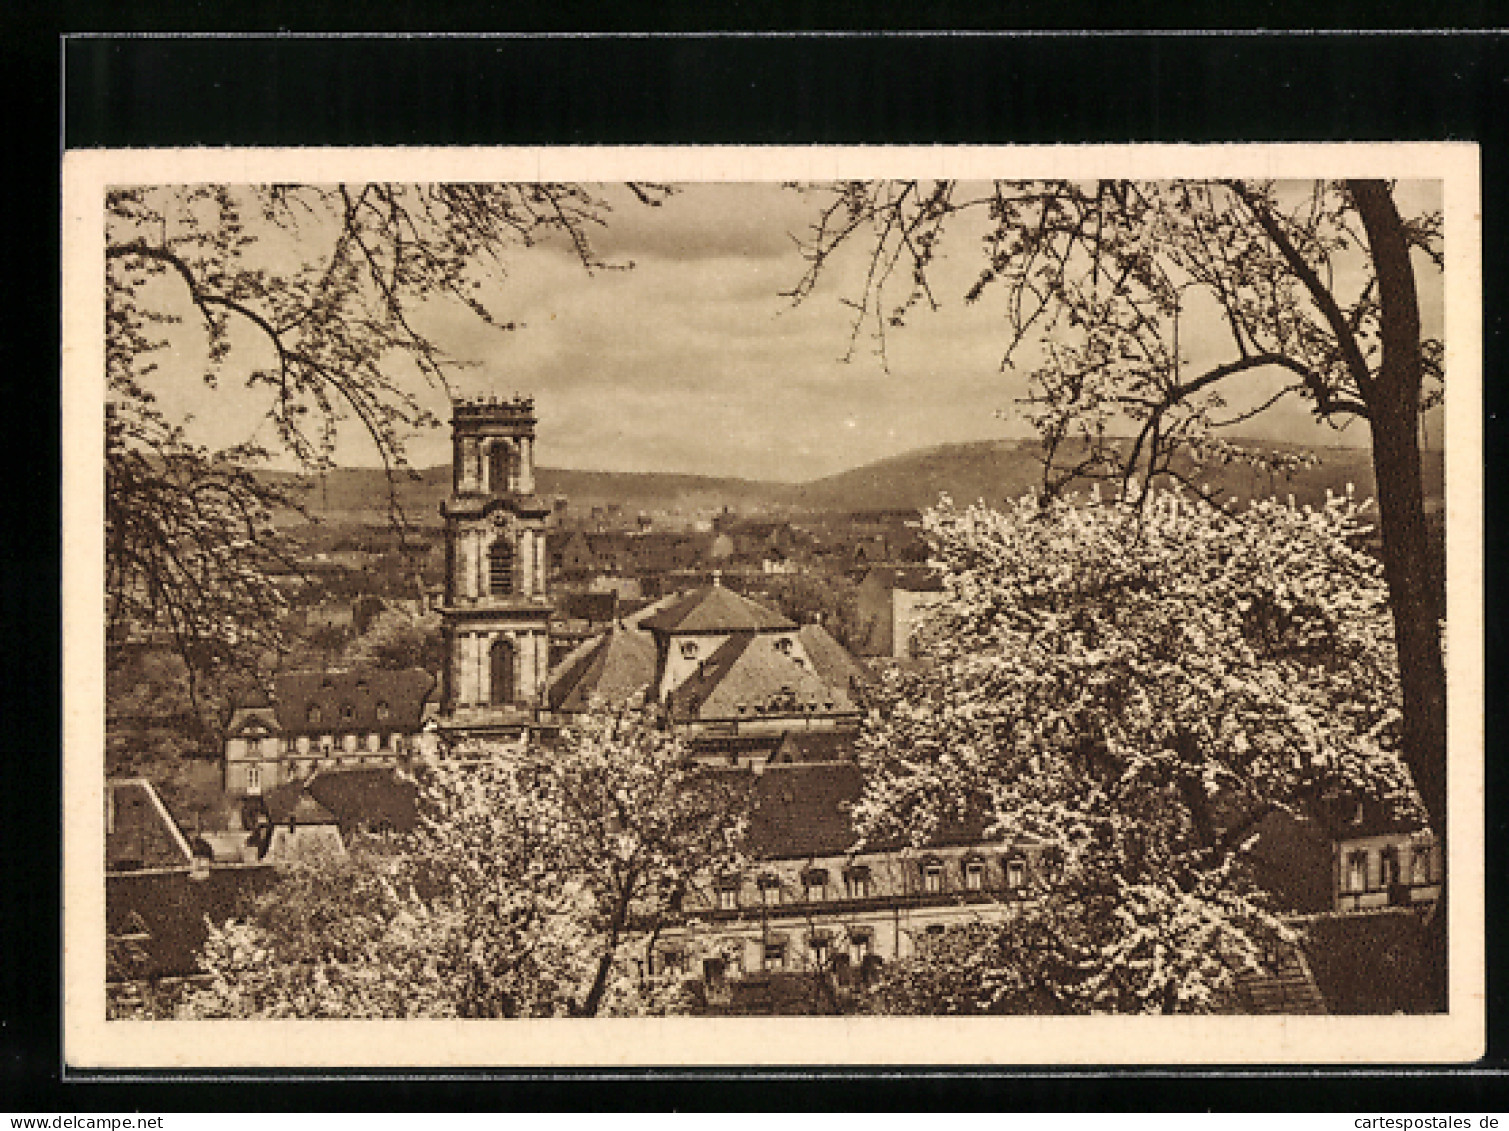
614	667
140	832
374	700
750	675
716	609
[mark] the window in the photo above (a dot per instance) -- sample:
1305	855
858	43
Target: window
348	712
861	946
503	673
815	885
327	743
316	716
770	889
1357	871
857	882
783	645
500	567
398	743
932	877
1053	863
974	875
1016	873
775	955
384	712
672	962
818	946
1419	866
1388	861
253	779
254	747
688	649
374	742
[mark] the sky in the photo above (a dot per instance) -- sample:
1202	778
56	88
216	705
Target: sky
690	360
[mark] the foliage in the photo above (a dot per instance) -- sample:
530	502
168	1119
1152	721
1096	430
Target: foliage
1134	683
535	885
1312	281
829	598
398	638
327	280
1098	273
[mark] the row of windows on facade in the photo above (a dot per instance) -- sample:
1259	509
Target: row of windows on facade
396	742
857	882
691	649
300	766
345	713
1389	873
823	951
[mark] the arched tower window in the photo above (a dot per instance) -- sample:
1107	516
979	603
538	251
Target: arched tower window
502	466
500	567
502	672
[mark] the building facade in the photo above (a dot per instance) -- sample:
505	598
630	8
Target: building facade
496	610
325	721
810	902
892	603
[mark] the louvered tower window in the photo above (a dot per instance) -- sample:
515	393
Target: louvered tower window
500	568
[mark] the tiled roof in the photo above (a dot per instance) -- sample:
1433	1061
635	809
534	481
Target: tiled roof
802	809
352	700
142	834
292	803
815	746
587	606
172	908
1291	859
749	676
716	609
368	798
1384	961
831	659
615	666
911	579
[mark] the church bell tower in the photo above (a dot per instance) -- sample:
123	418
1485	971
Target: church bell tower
496	615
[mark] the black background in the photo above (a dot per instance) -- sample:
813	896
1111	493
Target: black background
689	87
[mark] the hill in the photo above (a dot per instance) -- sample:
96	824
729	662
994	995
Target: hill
996	470
993	470
359	496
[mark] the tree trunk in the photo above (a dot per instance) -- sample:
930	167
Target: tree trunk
1393	399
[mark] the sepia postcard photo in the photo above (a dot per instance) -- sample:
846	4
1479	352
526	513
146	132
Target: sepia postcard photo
708	607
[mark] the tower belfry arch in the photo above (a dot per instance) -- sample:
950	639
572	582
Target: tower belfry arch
496	612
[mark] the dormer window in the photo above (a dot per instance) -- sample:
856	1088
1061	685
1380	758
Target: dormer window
770	889
1419	870
932	876
688	649
974	875
384	712
783	645
1016	873
815	884
316	716
857	882
348	712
